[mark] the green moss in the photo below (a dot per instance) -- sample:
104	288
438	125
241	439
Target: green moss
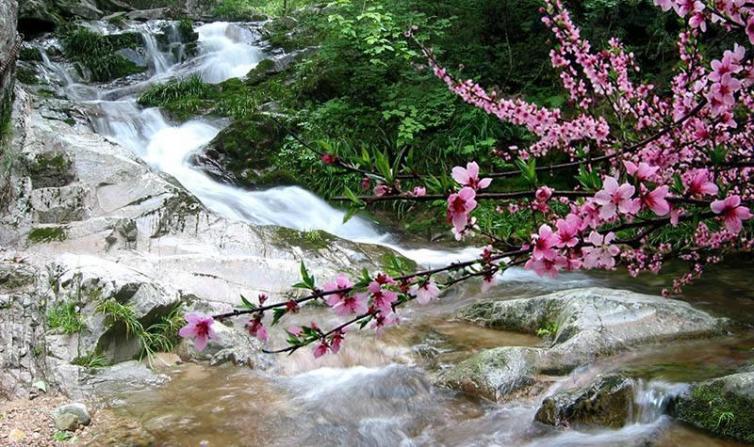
30	54
50	169
46	234
308	240
27	76
95	53
711	407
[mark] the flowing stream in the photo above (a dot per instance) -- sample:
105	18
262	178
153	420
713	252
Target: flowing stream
376	392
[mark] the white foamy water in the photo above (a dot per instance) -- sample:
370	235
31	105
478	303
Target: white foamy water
225	51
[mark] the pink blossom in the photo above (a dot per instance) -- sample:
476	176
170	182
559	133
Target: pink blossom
657	200
348	305
342	302
613	198
544	242
732	212
257	329
546	267
425	292
321	349
664	4
699	184
329	159
543	194
381	190
487	282
199	328
675	216
336	341
459	206
640	172
295	331
382	320
419	191
382	299
750	29
602	253
568	229
469	176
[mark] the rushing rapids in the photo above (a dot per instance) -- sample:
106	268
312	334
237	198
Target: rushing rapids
379	394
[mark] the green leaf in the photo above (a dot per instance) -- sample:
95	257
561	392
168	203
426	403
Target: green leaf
247	304
277	314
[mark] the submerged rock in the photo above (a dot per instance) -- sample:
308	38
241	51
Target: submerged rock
723	406
609	403
584	324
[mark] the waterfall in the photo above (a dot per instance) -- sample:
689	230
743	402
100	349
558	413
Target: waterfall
226	50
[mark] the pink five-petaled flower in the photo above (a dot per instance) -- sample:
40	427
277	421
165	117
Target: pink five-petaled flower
199	328
546	267
732	212
328	159
699	184
382	299
469	176
348	305
382	320
543	194
544	242
321	349
602	253
640	172
750	29
568	229
657	200
460	204
257	329
419	191
613	198
336	341
425	292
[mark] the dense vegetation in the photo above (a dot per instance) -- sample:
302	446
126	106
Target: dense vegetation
366	92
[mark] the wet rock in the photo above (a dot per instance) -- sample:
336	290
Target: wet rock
71	416
493	373
584	324
607	403
50	169
721	406
135	56
79	382
245	150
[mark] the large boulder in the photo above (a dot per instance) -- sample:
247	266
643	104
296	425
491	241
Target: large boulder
723	406
583	324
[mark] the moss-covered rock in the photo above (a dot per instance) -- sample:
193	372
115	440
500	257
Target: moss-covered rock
41	235
607	403
50	169
247	149
96	54
723	407
492	374
30	54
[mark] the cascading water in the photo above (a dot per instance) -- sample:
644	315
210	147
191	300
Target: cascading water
225	51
